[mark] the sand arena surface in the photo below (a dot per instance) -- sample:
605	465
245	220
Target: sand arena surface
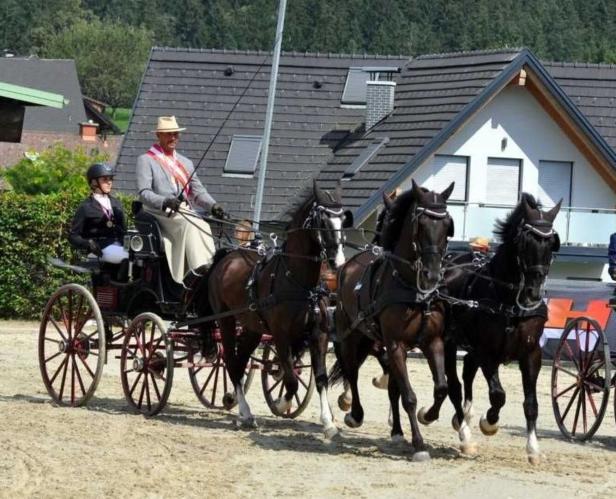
190	451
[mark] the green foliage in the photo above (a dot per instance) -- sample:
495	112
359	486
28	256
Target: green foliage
121	117
110	58
57	169
33	229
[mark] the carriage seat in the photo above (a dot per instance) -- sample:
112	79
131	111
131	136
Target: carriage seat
148	228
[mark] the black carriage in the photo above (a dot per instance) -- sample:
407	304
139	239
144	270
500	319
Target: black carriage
147	319
584	364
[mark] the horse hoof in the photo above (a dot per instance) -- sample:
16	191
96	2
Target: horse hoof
469	448
228	401
455	423
398	439
381	381
282	405
350	421
344	403
249	423
534	459
487	428
421	417
421	456
330	432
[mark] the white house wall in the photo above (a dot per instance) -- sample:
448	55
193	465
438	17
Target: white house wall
531	136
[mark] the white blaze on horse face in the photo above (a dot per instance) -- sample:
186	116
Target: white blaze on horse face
337	227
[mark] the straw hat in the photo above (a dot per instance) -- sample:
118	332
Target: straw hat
168	124
480	243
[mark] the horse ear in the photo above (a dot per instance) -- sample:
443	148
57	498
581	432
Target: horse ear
387	201
551	214
347	221
447	192
556	245
338	192
528	212
318	193
416	190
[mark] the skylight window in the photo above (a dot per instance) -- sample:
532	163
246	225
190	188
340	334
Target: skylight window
243	155
366	155
355	87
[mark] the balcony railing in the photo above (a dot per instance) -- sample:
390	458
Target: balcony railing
576	226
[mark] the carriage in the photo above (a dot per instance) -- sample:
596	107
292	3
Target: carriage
584	355
142	317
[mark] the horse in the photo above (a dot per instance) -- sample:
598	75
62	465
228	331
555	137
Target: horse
280	295
391	300
505	320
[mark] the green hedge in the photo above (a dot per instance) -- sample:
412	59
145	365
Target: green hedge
32	229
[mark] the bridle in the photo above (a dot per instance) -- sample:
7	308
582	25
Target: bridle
314	221
544	230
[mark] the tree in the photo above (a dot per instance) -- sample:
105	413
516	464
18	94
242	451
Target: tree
110	58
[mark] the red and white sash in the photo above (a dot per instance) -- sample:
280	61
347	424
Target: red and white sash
172	166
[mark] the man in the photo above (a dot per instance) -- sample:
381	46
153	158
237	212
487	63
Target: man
170	192
480	245
99	225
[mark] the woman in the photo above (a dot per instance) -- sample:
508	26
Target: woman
99	224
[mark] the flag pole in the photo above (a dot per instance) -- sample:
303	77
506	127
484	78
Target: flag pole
282	5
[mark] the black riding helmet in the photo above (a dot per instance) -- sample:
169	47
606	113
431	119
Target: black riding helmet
98	170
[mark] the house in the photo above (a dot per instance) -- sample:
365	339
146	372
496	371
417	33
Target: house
35	127
497	122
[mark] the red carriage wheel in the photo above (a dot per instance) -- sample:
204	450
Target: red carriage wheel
581	379
146	364
210	379
273	386
71	345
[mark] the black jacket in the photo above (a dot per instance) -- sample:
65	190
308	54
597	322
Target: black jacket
90	222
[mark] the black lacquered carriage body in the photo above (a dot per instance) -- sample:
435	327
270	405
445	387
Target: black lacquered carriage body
139	315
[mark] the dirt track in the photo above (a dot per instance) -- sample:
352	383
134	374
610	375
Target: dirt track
188	451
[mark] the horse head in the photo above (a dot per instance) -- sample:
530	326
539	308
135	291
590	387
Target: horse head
417	229
328	219
535	240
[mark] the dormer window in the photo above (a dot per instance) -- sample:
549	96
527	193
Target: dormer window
354	93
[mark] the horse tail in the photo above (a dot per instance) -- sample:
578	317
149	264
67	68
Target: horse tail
335	373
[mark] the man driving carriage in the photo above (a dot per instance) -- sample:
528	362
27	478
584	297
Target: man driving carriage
171	193
99	223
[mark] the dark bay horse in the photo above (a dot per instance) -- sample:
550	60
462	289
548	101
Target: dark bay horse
506	322
390	300
280	295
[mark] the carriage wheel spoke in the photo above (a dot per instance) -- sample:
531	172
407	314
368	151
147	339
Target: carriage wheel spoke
207	381
217	368
271	388
146	381
571	355
569	388
302	382
53	378
566	371
85	364
154	345
591	400
135	383
140	401
570	404
63	378
55	324
156	388
72	378
577	412
53	356
71	332
81	385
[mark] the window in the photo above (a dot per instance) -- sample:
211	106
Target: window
503	181
355	87
243	155
11	120
366	155
554	182
447	169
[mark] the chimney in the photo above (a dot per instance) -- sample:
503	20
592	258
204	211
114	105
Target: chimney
379	100
88	131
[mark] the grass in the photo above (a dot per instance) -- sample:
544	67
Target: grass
121	117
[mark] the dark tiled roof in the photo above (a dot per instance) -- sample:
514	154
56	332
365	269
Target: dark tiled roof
308	121
431	92
592	88
58	76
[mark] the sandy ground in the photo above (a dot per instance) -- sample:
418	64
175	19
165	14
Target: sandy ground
189	451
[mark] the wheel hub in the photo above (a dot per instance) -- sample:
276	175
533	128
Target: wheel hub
138	364
62	346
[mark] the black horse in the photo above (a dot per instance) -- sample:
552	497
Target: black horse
281	296
505	321
390	300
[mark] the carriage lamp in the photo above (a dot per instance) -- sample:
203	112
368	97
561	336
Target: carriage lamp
136	243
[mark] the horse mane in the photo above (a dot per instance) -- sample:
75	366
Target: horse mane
393	221
506	230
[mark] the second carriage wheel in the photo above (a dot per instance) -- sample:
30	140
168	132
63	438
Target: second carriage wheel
210	379
581	379
273	386
71	345
146	364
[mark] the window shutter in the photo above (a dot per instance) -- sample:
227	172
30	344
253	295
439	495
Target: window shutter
503	181
448	169
554	182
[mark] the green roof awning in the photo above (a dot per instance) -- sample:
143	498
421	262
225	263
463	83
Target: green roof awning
32	96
